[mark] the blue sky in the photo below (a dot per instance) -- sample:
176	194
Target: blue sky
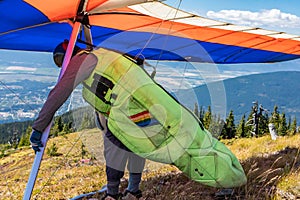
281	15
276	15
290	6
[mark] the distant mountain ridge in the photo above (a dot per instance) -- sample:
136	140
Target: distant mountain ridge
269	89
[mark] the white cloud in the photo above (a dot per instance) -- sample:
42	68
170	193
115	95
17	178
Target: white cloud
20	68
266	18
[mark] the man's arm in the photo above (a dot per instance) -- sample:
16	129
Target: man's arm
79	68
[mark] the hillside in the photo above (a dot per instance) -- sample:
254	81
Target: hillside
16	129
19	102
272	168
269	89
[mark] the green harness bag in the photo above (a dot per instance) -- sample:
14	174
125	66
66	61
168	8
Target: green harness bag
154	125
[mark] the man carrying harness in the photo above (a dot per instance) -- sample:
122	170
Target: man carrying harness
98	71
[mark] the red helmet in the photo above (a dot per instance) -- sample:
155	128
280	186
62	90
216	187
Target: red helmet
60	51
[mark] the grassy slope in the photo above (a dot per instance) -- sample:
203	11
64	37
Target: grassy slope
272	168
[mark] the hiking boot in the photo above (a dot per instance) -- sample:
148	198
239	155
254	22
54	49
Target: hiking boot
132	195
112	197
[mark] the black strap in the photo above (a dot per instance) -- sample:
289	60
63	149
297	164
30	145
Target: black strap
100	87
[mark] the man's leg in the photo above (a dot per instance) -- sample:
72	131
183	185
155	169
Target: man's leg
135	167
116	159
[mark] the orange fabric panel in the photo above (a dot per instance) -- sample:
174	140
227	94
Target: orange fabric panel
94	3
57	10
128	22
64	9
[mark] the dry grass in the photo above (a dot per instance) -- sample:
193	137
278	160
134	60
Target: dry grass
272	168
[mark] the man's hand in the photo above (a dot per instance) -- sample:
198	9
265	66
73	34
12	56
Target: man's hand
35	140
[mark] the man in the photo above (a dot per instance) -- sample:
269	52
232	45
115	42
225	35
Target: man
116	156
86	67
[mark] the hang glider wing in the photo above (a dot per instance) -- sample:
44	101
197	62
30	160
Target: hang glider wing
156	30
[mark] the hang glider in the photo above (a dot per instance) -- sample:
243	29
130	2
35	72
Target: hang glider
154	29
151	28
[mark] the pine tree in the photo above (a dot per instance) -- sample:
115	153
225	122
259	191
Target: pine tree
229	130
216	126
241	130
222	129
282	129
67	128
57	127
52	150
207	118
263	124
275	117
293	127
14	141
24	141
289	123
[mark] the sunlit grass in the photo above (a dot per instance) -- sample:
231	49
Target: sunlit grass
272	169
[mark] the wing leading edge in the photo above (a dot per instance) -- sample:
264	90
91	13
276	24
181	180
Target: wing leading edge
154	29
